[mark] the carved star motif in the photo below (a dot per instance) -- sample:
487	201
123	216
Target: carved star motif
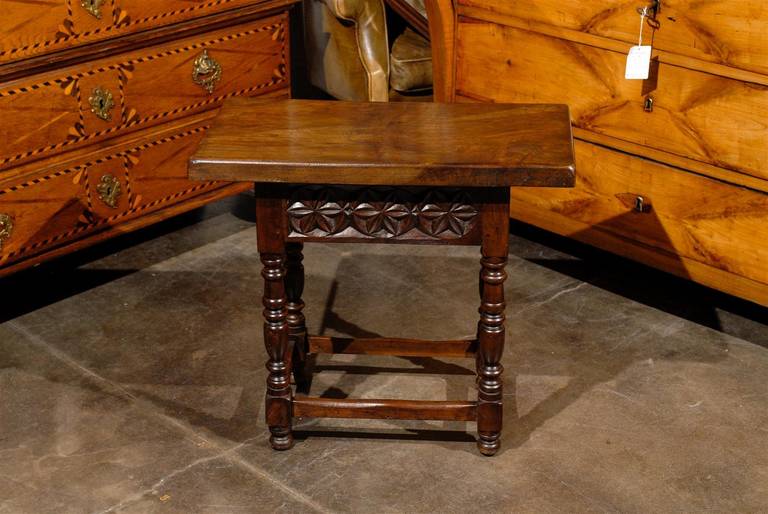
322	213
382	212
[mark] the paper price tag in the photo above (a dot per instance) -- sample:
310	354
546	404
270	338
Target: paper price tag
638	63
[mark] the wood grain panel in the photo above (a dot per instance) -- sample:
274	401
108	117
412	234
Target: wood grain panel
62	203
729	32
149	86
427	144
33	28
156	171
41	209
711	119
253	59
442	34
685	215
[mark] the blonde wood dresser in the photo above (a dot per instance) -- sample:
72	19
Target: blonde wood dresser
671	171
103	101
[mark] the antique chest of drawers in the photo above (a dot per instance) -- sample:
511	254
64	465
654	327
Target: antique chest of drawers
671	171
103	101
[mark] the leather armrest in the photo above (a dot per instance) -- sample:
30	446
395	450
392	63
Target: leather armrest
368	21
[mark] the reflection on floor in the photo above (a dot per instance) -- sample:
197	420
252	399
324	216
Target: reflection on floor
131	379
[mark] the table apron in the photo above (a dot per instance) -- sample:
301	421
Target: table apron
383	214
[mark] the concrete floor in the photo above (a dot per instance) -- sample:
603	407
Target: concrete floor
131	380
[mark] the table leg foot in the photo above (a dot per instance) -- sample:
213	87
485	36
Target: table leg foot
281	438
489	444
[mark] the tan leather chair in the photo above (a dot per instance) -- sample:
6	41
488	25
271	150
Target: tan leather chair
348	53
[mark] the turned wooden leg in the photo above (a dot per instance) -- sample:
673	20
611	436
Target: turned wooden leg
271	242
490	330
297	329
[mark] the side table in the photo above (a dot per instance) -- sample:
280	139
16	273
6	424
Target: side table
415	173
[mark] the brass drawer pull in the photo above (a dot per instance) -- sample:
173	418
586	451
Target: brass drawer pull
643	204
206	71
636	202
109	190
6	228
101	103
93	7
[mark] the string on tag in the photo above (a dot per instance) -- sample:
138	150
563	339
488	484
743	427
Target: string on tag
639	57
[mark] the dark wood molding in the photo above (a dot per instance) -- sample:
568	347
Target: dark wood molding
442	29
383	213
413	17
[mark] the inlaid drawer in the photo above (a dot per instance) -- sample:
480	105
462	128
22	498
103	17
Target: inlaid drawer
656	206
63	203
729	32
694	115
34	28
47	114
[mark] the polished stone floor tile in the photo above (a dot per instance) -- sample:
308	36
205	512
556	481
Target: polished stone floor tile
219	486
69	442
132	380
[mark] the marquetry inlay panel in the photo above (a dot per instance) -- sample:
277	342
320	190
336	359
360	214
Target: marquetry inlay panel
82	203
103	102
57	112
61	24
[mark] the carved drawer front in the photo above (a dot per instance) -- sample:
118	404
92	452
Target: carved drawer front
674	211
695	115
33	28
64	203
59	111
729	32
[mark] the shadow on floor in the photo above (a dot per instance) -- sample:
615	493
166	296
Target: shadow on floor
590	365
50	282
66	277
643	284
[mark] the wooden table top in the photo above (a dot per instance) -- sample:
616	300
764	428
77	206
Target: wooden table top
413	143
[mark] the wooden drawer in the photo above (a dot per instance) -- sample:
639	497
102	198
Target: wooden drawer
53	112
695	115
729	32
34	28
686	216
62	203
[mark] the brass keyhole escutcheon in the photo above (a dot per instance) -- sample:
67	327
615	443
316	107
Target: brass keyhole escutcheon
6	228
93	7
648	104
109	190
101	103
206	71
